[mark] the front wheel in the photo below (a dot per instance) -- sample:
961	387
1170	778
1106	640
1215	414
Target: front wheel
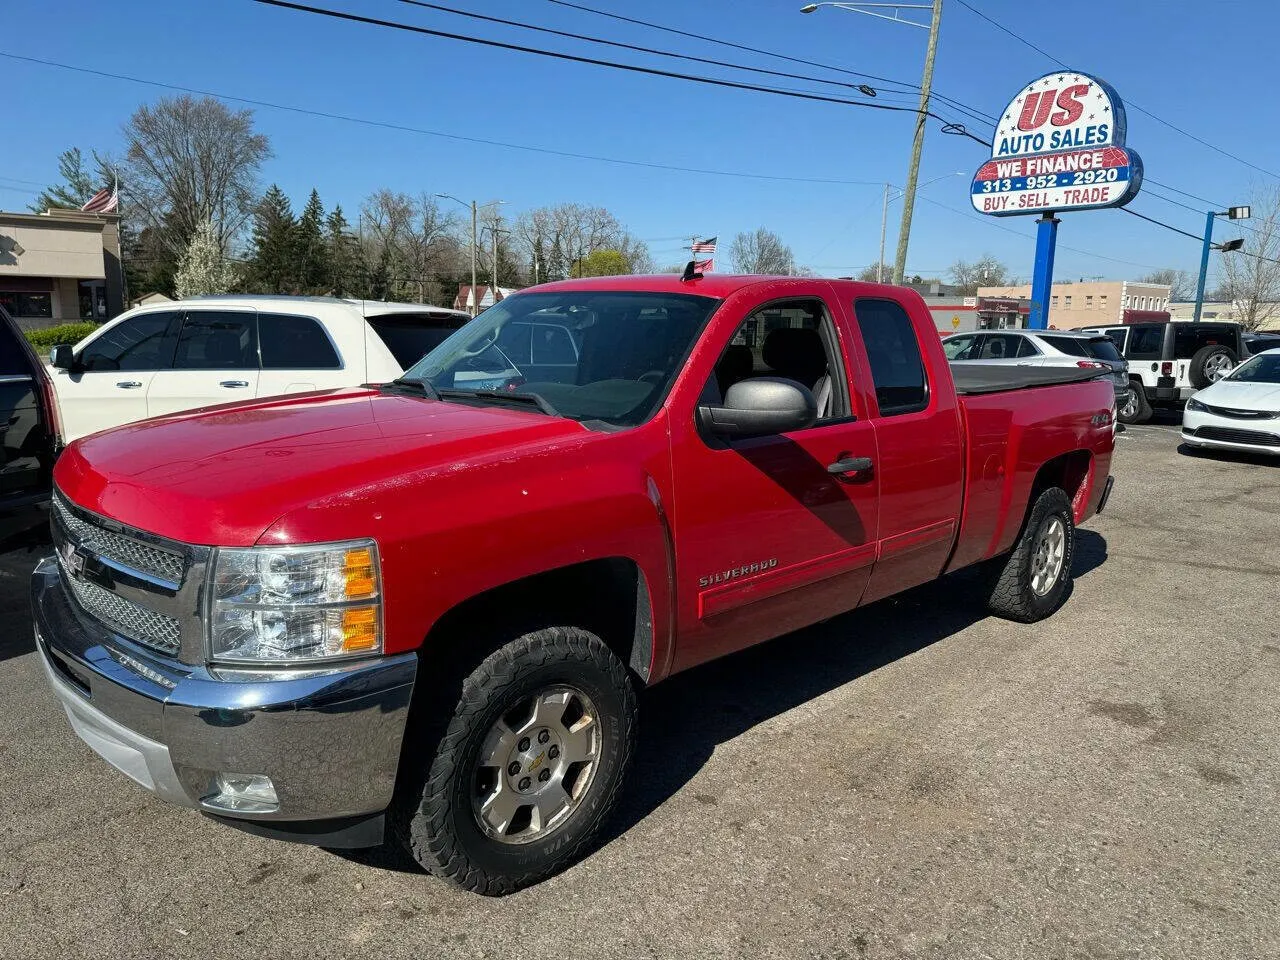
1133	406
529	767
1033	581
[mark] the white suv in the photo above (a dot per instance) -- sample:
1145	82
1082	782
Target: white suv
1040	348
171	357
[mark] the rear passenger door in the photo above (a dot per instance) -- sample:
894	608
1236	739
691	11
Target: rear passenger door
297	356
216	361
919	455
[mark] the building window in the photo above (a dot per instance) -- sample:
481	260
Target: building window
1126	303
1102	301
27	304
1053	303
1066	301
1088	301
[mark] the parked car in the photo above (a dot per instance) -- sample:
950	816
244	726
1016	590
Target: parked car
28	433
422	610
1239	412
169	357
1169	361
1040	348
1260	341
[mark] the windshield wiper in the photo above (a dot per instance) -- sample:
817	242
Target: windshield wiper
423	387
526	398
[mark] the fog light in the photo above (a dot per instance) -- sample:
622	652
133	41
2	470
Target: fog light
245	792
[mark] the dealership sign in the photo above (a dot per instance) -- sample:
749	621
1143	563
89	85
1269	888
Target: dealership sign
1059	146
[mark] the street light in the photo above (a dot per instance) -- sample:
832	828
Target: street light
926	84
884	218
474	298
1231	213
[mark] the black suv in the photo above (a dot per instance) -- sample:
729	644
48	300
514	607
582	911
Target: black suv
28	434
1170	361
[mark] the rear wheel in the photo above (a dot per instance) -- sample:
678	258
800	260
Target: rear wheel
1133	406
1033	581
529	767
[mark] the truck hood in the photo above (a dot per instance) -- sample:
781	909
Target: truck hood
1242	396
222	476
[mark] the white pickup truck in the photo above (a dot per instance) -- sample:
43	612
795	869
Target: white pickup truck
171	357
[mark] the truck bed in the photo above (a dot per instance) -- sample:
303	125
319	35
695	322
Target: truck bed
973	379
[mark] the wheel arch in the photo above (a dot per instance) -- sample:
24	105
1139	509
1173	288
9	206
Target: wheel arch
608	596
1073	472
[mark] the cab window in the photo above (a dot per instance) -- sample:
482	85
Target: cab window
897	368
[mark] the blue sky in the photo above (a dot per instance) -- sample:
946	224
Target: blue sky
1145	48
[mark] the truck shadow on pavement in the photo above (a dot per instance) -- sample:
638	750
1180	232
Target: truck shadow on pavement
683	719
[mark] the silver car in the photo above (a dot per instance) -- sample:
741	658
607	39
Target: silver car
1040	348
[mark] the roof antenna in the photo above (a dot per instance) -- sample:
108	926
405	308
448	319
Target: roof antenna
691	272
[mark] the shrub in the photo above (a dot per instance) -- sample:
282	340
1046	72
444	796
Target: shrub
48	337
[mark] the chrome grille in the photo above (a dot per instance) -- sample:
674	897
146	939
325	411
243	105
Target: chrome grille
1237	414
126	617
119	548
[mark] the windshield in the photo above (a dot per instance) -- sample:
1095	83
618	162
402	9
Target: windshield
1264	368
606	356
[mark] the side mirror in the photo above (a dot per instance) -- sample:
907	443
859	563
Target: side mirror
62	358
760	407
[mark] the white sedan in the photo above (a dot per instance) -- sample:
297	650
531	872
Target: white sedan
1239	412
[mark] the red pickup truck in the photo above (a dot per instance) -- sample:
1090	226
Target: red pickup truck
425	607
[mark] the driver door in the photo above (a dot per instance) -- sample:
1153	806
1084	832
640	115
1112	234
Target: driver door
113	373
768	538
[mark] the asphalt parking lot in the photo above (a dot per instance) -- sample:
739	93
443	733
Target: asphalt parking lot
912	780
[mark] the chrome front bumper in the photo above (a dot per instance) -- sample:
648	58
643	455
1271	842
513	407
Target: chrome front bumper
328	739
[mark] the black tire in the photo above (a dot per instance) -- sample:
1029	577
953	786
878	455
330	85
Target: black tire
1140	411
1206	361
1012	594
434	817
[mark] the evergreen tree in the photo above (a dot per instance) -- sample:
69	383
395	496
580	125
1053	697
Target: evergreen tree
342	256
311	249
273	261
78	184
380	281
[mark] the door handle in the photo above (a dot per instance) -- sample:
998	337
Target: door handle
129	384
850	465
234	383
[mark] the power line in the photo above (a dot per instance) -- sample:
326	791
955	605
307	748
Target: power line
574	58
862	88
1161	223
1142	110
404	128
728	43
948	127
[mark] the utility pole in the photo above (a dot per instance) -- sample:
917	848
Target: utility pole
475	297
913	172
884	221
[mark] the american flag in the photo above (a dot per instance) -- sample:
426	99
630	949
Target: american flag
106	200
703	246
704	266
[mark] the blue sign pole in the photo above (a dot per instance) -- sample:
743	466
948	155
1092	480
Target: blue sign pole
1042	278
1204	262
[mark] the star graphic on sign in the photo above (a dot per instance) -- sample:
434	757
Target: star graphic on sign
1074	78
1061	79
1091	116
1106	109
1008	116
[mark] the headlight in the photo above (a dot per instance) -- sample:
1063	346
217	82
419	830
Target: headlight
1197	406
290	604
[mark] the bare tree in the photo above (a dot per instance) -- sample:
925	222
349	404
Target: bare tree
1178	281
1251	276
554	239
761	251
875	273
986	271
410	240
190	161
